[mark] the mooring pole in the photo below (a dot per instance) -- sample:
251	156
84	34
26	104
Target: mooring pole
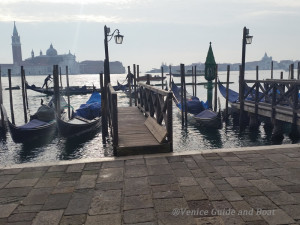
170	74
129	86
60	78
56	90
272	69
102	108
227	89
162	78
292	71
11	98
256	96
25	89
68	92
23	94
1	100
182	93
148	79
135	83
195	80
298	76
216	90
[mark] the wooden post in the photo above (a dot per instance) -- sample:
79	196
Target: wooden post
195	81
148	79
295	132
104	102
23	94
272	69
1	100
256	95
274	92
298	76
184	103
281	75
56	90
68	92
170	74
227	89
135	92
11	98
60	78
292	71
138	72
129	86
182	93
102	108
241	98
216	90
170	120
162	78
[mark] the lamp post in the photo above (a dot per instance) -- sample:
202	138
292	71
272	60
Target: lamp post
118	40
247	39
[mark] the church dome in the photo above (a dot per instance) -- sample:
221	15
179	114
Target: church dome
51	51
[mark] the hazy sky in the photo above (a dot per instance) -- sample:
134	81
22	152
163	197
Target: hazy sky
155	31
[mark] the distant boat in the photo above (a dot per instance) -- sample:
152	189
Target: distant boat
17	87
197	109
74	90
189	73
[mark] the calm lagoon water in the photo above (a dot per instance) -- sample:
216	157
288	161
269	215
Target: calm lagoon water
193	137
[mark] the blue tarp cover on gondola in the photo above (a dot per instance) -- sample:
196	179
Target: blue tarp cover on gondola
91	109
33	124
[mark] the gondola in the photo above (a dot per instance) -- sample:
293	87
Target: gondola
17	87
41	125
86	119
197	109
73	90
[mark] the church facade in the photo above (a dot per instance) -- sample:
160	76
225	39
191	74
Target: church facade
42	64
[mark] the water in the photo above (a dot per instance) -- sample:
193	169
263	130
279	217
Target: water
193	137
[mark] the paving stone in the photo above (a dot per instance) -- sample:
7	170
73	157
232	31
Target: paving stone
162	179
216	220
278	181
169	219
291	188
248	191
205	182
178	165
224	187
165	187
252	175
206	167
87	181
57	201
167	194
28	208
219	162
199	159
296	196
214	175
278	216
90	172
110	219
231	159
57	174
49	182
139	215
231	195
198	173
75	168
21	217
80	202
257	222
146	223
238	182
220	205
243	169
106	202
92	166
193	193
6	210
213	194
113	164
138	202
244	210
48	217
133	162
36	168
14	192
261	202
61	190
37	196
58	168
159	170
74	220
110	175
187	181
262	164
156	161
274	172
118	185
191	164
230	220
203	207
70	176
169	204
136	186
22	183
182	173
226	171
292	211
5	179
136	171
265	185
174	159
29	175
281	198
276	157
12	171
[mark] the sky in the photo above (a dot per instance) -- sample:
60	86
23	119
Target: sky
155	31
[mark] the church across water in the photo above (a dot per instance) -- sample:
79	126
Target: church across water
42	64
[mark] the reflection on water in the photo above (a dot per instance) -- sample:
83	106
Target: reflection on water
191	137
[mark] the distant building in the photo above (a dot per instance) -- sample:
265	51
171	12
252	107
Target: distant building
43	64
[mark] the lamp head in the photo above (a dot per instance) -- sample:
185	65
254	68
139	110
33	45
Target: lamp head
119	38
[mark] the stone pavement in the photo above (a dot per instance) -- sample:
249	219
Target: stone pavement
259	186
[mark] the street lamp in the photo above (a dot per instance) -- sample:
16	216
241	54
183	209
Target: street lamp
247	39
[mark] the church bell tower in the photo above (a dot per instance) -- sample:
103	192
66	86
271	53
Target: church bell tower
16	46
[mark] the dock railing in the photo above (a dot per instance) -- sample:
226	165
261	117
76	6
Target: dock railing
113	113
157	104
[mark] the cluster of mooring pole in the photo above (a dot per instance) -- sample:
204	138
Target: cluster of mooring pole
56	90
1	102
183	96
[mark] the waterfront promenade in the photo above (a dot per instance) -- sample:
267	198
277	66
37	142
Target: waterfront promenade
258	185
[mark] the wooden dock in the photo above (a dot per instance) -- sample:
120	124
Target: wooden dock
144	128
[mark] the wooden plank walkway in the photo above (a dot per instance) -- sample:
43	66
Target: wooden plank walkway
134	136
